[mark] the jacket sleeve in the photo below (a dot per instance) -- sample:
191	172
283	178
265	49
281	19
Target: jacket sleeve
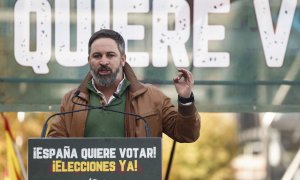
57	125
182	125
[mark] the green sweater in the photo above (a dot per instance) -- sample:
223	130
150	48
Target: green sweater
101	123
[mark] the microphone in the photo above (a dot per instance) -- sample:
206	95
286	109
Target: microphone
45	126
138	117
105	108
117	96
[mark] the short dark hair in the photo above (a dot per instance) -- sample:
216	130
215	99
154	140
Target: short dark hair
107	33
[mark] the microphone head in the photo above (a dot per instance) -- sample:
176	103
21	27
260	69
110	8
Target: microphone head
77	92
116	95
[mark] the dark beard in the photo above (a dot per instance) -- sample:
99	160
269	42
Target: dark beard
105	80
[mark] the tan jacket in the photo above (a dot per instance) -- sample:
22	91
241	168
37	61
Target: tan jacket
145	100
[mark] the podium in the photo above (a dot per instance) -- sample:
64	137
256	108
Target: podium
94	158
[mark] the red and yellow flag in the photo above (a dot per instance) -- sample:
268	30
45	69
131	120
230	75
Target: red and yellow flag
14	162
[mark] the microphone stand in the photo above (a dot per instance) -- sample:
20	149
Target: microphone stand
105	108
147	128
170	161
44	130
43	134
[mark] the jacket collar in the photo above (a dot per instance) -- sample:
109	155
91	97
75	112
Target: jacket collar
135	86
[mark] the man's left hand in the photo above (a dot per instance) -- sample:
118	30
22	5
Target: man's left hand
184	83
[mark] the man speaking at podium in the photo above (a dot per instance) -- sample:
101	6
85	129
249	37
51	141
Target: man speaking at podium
111	85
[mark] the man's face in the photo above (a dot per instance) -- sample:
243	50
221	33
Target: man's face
106	62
